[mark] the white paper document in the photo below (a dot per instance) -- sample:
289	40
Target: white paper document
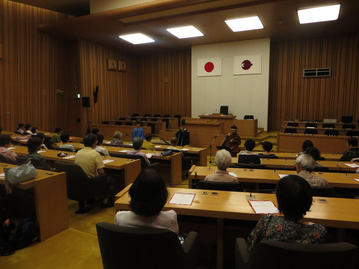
149	155
11	148
157	147
184	149
124	151
232	174
263	207
182	198
352	165
282	175
107	161
356	179
41	151
107	142
69	157
2	175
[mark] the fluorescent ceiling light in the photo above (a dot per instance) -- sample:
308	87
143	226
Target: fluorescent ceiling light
185	31
244	24
137	38
318	14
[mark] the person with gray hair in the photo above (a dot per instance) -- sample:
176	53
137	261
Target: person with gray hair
116	140
137	145
305	165
223	161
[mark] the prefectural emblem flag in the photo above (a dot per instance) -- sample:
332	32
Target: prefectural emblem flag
247	64
209	67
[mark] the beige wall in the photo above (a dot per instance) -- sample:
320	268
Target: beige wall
244	94
105	5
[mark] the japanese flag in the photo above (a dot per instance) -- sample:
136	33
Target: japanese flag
247	64
209	67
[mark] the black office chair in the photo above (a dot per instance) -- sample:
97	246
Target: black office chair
147	115
311	131
122	118
328	125
135	114
352	133
311	125
105	122
166	116
349	126
276	254
118	123
331	132
248	117
347	119
80	187
144	247
323	192
248	159
223	110
144	119
157	115
292	124
290	131
129	123
214	185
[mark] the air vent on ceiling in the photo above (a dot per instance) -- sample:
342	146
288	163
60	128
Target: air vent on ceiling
316	72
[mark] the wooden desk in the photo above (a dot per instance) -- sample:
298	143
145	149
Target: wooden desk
158	125
330	212
107	130
132	168
326	144
172	121
226	119
247	127
293	155
50	195
338	180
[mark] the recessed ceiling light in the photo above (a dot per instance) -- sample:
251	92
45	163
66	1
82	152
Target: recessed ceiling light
185	31
244	24
137	38
318	14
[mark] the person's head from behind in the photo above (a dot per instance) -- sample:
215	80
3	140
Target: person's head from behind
137	143
90	140
314	152
306	144
249	144
100	139
138	124
174	141
5	141
21	126
148	194
305	162
41	136
65	138
34	144
95	131
233	129
352	142
223	159
294	196
58	131
117	135
148	137
34	130
27	127
267	146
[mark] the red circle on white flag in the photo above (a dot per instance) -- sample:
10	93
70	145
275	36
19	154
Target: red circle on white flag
209	66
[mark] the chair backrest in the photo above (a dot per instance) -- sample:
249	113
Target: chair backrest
138	247
292	124
328	125
223	110
118	123
290	130
105	122
311	124
349	126
352	133
331	132
248	117
311	131
347	119
276	254
247	159
135	114
157	115
147	115
222	186
122	118
144	164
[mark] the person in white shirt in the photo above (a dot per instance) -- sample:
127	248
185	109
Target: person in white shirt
148	196
102	150
305	165
28	129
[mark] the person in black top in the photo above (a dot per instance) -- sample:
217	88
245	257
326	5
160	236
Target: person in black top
353	151
231	142
306	144
182	135
267	146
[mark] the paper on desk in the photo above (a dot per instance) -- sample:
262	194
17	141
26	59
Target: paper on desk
124	151
107	142
107	161
352	165
263	207
149	155
232	174
69	157
184	149
11	148
2	175
356	179
157	147
282	175
41	151
182	198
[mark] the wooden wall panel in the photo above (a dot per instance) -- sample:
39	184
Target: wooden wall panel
117	90
29	68
165	83
295	97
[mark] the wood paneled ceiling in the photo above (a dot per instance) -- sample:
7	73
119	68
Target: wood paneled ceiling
279	18
73	7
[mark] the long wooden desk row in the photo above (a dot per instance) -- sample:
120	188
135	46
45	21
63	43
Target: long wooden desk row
108	130
338	180
322	131
172	121
157	125
131	167
289	164
330	212
50	200
293	155
321	124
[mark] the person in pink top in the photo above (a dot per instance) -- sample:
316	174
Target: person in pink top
5	144
223	161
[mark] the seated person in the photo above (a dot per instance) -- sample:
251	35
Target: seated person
248	156
28	129
95	131
137	145
294	198
267	146
147	143
20	129
352	152
46	142
182	135
173	144
103	151
56	138
138	132
315	153
231	142
34	130
148	196
249	146
65	143
223	161
116	140
305	165
307	144
5	143
33	146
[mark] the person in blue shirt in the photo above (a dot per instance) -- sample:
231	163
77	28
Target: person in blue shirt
138	132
